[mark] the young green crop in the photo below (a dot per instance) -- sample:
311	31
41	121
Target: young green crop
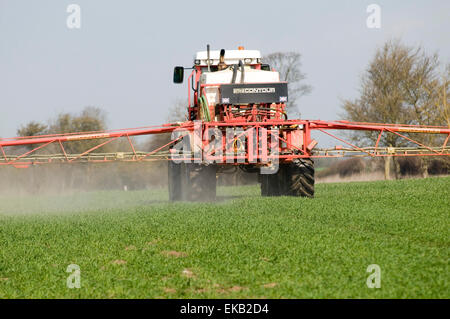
137	245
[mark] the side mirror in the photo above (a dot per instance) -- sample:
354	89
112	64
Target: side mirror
178	74
265	67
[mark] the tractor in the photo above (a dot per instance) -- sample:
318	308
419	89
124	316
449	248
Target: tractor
242	100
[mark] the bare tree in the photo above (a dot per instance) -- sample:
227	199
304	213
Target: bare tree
289	65
90	119
178	111
403	85
442	94
31	129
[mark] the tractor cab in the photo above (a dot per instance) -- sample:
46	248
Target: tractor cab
233	66
221	59
228	83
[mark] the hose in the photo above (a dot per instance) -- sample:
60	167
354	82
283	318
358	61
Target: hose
204	108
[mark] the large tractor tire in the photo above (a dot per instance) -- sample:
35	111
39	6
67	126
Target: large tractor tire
192	182
174	181
274	184
300	178
264	185
293	179
199	182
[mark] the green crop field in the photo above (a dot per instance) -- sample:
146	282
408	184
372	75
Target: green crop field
137	245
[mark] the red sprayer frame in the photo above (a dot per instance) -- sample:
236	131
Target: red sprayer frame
303	127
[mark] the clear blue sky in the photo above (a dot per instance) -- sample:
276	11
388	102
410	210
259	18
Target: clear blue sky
122	57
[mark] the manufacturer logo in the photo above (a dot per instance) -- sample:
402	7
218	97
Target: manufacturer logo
253	90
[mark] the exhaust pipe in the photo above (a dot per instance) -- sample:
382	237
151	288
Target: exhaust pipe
235	68
222	65
222	56
208	61
241	64
233	79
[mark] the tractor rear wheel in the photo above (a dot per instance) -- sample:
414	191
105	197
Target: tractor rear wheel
274	184
293	179
300	178
191	182
264	185
174	181
199	182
